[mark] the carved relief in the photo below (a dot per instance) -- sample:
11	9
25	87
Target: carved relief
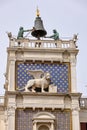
6	82
19	54
67	101
55	76
11	110
41	80
38	82
66	55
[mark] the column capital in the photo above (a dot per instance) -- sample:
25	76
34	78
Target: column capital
76	109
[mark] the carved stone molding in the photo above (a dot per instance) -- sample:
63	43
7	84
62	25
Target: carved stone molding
66	55
11	110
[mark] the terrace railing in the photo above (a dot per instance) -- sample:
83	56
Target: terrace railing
30	43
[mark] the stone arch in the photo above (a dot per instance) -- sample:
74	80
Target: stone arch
43	121
43	115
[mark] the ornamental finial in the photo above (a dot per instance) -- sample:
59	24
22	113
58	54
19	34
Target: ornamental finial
37	12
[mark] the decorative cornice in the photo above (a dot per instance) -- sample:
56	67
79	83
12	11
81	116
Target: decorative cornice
16	49
8	93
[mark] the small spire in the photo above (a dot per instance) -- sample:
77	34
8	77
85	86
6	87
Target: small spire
37	12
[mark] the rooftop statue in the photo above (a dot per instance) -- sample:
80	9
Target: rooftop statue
21	32
55	35
9	34
75	37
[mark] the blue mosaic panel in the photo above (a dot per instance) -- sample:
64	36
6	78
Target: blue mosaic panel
59	74
63	120
24	119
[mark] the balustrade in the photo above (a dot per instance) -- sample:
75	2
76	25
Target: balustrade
29	43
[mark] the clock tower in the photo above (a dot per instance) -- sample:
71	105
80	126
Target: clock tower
41	91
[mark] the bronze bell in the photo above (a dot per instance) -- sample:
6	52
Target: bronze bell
38	30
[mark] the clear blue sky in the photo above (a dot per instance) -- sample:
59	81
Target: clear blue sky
67	16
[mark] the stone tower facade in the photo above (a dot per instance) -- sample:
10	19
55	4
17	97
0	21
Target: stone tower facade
40	85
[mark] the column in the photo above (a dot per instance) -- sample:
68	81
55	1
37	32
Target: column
75	120
52	126
34	125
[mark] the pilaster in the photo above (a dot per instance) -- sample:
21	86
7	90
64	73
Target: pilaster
73	74
11	118
75	119
11	76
